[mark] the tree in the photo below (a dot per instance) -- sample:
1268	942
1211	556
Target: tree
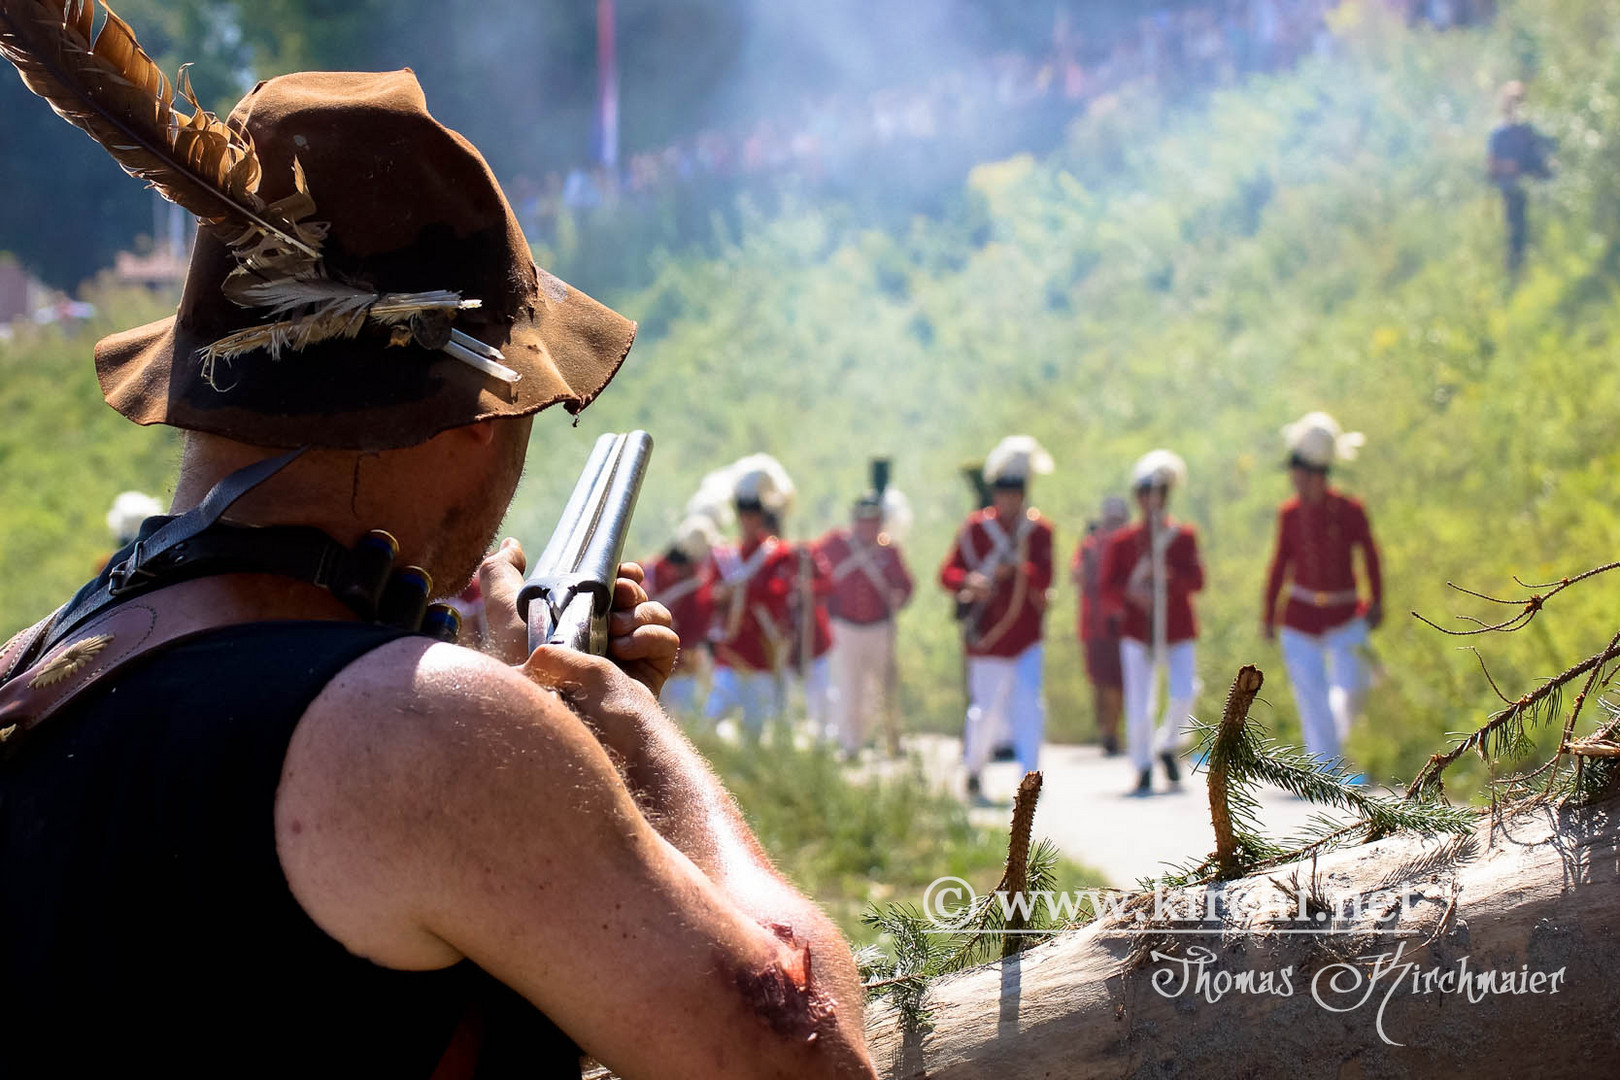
1534	890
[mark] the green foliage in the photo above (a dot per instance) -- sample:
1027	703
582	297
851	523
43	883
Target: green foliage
1191	276
64	457
851	843
1196	278
1250	758
916	948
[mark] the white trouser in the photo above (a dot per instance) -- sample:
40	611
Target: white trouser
754	692
860	675
818	694
1007	695
1148	735
680	695
1325	671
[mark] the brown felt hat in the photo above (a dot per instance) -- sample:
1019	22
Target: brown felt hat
412	207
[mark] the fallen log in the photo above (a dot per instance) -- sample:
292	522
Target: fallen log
1493	954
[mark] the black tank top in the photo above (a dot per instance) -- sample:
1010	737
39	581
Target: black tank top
144	919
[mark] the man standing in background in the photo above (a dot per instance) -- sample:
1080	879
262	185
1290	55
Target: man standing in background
811	652
752	632
1324	622
870	586
1099	628
1150	571
1516	151
676	580
1000	570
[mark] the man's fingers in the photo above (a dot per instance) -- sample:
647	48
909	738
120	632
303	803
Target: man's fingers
511	553
628	593
634	572
646	643
500	578
647	614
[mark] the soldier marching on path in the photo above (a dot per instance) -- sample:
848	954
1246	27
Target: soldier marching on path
751	582
1000	570
1324	621
870	585
1150	572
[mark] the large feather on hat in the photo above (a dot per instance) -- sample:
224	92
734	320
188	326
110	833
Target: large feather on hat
105	84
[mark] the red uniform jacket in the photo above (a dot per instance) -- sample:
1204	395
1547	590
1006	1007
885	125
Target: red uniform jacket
1184	576
1096	622
685	590
751	629
807	570
1011	621
1314	541
869	584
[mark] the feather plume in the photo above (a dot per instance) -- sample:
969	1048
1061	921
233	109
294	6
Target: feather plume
332	311
106	85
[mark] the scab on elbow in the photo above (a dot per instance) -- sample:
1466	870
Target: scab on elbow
783	993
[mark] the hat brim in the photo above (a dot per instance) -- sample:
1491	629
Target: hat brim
372	396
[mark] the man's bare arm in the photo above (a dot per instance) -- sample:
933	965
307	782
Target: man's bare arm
670	780
435	805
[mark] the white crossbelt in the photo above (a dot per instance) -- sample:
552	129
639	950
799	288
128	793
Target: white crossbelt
864	560
737	572
678	591
1001	545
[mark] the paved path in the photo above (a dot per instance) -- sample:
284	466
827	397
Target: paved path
1085	810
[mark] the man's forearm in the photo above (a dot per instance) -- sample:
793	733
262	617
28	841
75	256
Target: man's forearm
691	809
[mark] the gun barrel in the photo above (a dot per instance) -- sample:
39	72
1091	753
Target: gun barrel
573	580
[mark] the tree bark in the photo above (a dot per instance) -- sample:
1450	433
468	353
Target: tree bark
1535	891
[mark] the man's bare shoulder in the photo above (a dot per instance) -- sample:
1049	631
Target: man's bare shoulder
405	754
418	677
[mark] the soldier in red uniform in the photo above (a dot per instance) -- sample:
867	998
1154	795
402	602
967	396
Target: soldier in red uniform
752	634
1325	621
1098	628
1000	570
1150	571
870	585
811	587
677	580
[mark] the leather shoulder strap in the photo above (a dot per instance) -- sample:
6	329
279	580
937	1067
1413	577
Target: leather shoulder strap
109	642
20	649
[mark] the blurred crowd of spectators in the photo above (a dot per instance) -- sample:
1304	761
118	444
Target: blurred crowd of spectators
1200	45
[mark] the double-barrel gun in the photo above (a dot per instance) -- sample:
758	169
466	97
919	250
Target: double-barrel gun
569	593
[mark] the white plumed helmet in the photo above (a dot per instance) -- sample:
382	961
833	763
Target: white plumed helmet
128	512
714	499
760	478
1159	469
1317	440
1015	459
696	537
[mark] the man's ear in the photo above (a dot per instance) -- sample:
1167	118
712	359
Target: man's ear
483	432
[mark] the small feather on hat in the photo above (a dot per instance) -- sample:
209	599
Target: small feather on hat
897	515
1016	458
